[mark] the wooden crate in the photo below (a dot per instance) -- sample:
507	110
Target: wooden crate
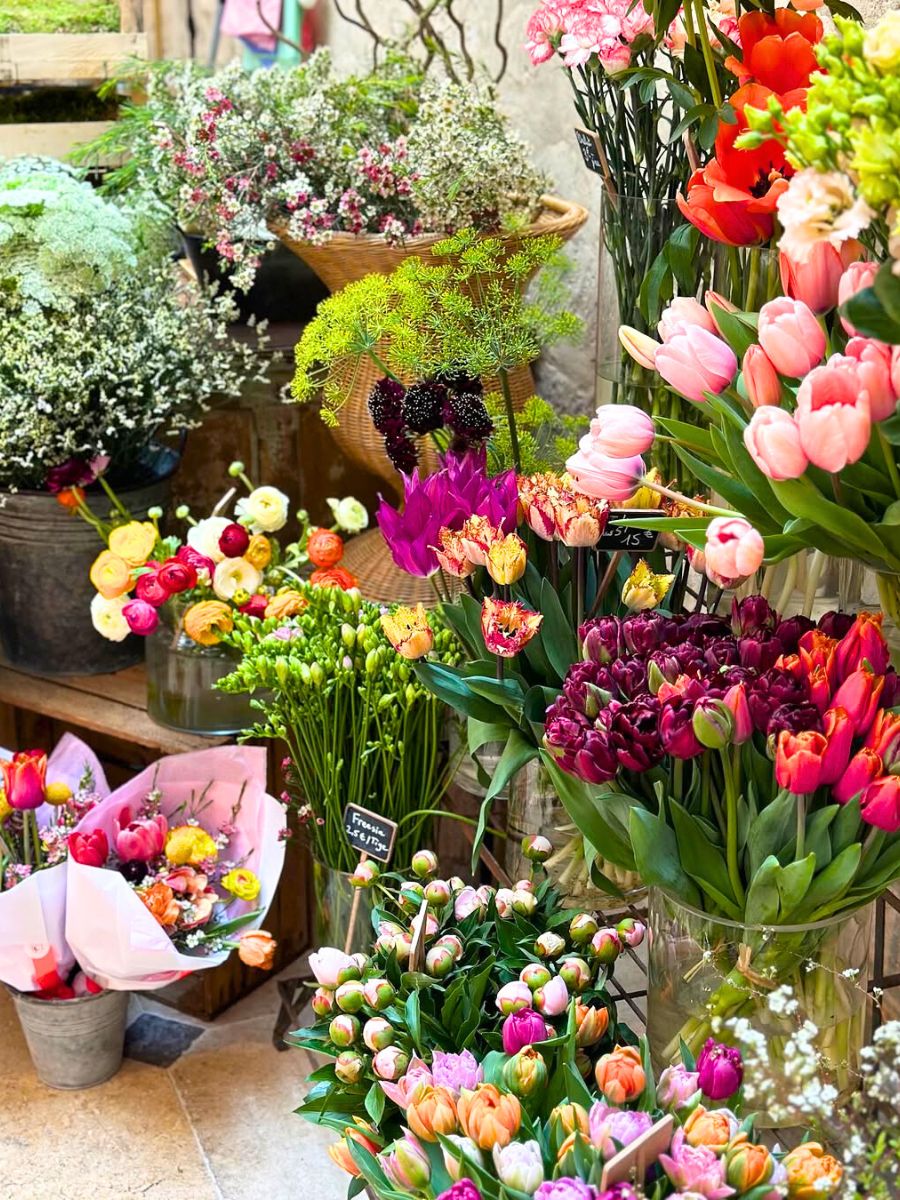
73	58
53	138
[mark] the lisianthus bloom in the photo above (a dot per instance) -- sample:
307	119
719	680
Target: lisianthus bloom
507	626
256	948
324	547
777	49
189	844
134	542
24	779
643	589
207	621
408	631
820	207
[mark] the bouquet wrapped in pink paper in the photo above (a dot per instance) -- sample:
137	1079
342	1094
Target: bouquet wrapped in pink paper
41	801
174	869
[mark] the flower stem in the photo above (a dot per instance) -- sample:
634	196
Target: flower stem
511	418
801	828
698	504
731	828
889	462
708	57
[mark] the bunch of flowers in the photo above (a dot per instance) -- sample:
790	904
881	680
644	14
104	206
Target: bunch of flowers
225	565
359	727
461	983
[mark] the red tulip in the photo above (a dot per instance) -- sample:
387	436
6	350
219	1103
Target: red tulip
839	731
24	779
735	700
90	849
819	688
863	767
863	645
884	737
817	649
859	694
798	761
881	804
777	48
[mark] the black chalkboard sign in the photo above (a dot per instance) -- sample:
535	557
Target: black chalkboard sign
626	537
369	832
589	145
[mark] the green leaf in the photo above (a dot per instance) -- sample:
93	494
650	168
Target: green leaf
559	638
702	860
455	692
375	1103
482	733
845	827
761	907
736	329
516	753
584	804
656	856
818	829
803	499
792	882
771	829
414	1020
830	884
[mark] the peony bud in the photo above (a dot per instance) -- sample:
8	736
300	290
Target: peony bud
457	885
525	1073
535	976
323	1002
349	997
468	902
513	997
349	1066
582	928
438	893
524	903
344	1030
504	903
606	946
390	1063
549	945
453	942
576	974
378	1033
366	874
439	961
379	994
411	897
536	848
630	931
424	863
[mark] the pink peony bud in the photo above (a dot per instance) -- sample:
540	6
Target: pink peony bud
378	1034
534	976
350	997
553	998
379	994
331	967
323	1002
344	1030
390	1063
513	997
606	946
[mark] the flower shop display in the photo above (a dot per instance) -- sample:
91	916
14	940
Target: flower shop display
176	868
460	981
359	726
182	594
744	767
102	353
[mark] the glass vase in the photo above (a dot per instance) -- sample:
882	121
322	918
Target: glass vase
339	906
706	970
535	808
181	679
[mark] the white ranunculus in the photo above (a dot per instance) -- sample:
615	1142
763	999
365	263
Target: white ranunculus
349	514
233	575
265	510
204	536
108	619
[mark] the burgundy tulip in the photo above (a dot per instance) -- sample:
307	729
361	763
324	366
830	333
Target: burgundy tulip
645	631
676	730
630	675
759	651
789	632
795	718
596	761
751	615
634	733
836	624
601	639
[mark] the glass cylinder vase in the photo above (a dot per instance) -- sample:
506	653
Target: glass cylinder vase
343	917
181	679
705	971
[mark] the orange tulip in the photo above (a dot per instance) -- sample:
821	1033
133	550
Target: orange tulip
590	1023
256	948
747	1166
160	900
620	1075
432	1112
488	1116
569	1118
339	1152
713	1129
812	1174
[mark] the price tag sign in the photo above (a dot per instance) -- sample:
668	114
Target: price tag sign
589	145
627	537
633	1161
370	833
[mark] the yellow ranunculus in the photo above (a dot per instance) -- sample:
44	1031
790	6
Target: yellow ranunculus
189	845
259	552
881	49
286	604
110	575
134	542
207	621
241	883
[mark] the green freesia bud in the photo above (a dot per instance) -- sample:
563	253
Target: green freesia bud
317	675
348	636
373	662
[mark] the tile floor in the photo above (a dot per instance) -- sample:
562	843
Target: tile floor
216	1125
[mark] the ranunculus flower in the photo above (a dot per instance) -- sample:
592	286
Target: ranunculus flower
620	1075
234	575
256	948
612	1129
202	564
89	849
734	549
150	587
142	618
696	361
334	577
259	551
773	442
791	336
134	541
204	537
324	547
110	575
177	576
265	510
816	279
24	779
189	845
207	621
349	514
108	618
140	840
234	540
761	380
159	900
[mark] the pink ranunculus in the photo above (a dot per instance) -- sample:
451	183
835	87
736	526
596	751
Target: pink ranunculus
142	617
605	478
816	281
695	361
856	278
791	336
734	549
621	431
761	380
204	566
833	415
151	586
773	442
873	370
141	840
682	313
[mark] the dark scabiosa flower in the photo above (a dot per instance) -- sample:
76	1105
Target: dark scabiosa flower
460	381
386	406
423	406
401	450
468	417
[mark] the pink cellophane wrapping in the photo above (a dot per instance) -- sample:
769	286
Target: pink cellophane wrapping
115	938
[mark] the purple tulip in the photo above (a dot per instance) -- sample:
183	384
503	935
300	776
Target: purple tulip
836	624
630	675
634	732
676	1086
790	632
720	1070
601	639
770	691
759	651
463	1189
620	1191
721	652
676	729
588	686
794	718
646	631
596	761
612	1129
751	615
566	1188
890	693
456	1071
523	1028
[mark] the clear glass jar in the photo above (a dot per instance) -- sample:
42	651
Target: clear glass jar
338	904
703	967
181	678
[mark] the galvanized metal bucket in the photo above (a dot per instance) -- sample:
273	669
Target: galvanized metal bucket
45	590
74	1043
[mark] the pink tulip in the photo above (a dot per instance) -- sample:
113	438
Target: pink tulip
639	346
696	361
621	431
603	477
862	769
895	369
712	301
791	336
683	313
856	278
139	841
816	281
735	700
773	442
833	416
760	377
734	549
873	370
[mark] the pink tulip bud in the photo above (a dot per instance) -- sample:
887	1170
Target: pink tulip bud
734	549
773	442
816	280
139	841
712	301
619	431
791	336
639	346
513	997
681	314
833	416
760	378
873	370
696	362
857	277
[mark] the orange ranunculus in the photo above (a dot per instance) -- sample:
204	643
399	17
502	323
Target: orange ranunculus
110	575
488	1116
711	1128
71	498
160	900
256	948
812	1174
207	621
338	577
432	1112
339	1152
620	1075
134	542
777	49
259	552
286	604
324	547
